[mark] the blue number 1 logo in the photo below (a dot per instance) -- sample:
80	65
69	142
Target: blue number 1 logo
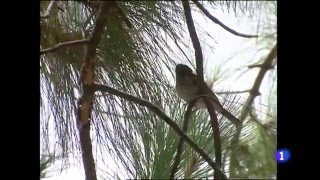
282	155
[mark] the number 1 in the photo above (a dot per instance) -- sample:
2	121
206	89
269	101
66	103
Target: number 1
281	155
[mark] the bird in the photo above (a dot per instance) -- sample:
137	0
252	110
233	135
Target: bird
188	88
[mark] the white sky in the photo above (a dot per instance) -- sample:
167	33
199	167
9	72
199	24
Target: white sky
242	51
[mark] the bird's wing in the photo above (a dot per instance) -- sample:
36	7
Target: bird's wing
207	90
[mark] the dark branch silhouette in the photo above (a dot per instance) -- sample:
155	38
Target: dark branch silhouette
216	133
181	140
155	109
199	63
86	101
215	20
261	65
194	39
254	92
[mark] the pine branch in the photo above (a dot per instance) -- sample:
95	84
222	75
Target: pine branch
86	101
199	63
124	17
233	92
47	13
216	134
254	92
195	40
63	45
162	115
266	66
215	20
181	140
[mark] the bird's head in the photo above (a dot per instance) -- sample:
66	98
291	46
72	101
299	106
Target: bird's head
182	69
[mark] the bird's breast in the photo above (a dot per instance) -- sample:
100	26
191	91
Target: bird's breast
187	91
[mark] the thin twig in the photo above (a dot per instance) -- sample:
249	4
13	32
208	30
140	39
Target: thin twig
162	115
47	13
214	19
254	92
194	39
181	140
267	66
63	45
233	92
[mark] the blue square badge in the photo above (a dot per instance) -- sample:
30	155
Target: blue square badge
282	155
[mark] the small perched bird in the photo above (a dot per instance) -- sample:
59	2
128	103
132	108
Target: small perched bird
187	86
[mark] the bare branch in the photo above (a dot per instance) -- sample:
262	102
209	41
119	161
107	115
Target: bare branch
233	92
47	14
86	101
202	86
162	115
195	40
63	45
181	140
216	134
266	66
215	20
254	92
